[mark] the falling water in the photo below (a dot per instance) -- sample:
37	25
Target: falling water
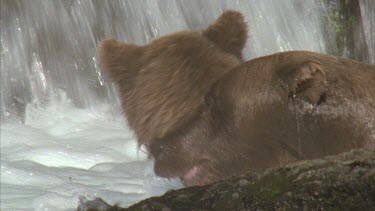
368	18
58	111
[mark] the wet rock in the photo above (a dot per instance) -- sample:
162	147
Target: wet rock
342	182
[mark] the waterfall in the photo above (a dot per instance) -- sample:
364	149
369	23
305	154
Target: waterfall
368	18
48	47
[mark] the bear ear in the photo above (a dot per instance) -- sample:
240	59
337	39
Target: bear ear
308	82
118	59
229	32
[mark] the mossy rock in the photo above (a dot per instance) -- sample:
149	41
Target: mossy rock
342	182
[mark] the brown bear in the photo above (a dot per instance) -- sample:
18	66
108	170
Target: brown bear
204	114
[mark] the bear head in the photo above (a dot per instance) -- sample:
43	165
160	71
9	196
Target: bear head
163	84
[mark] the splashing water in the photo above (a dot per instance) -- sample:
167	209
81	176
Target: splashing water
62	134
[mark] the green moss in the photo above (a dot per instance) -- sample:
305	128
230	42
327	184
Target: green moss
269	188
341	26
341	22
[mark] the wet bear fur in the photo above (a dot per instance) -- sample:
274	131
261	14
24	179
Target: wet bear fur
204	114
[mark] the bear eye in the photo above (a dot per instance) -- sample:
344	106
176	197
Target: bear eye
155	149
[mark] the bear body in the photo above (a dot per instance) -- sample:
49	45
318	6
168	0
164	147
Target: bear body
204	114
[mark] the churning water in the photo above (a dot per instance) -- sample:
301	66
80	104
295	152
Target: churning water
62	134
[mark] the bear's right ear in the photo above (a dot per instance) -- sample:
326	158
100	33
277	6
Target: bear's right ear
229	32
308	82
118	59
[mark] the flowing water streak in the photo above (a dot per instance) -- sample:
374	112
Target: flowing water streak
368	20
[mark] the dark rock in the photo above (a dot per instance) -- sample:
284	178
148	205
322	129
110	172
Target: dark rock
342	182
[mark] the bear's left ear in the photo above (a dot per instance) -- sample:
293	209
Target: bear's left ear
229	32
308	82
118	59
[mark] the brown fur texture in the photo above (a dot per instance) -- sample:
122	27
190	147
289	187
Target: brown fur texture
204	114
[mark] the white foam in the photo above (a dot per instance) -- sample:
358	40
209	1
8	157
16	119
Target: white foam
62	152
